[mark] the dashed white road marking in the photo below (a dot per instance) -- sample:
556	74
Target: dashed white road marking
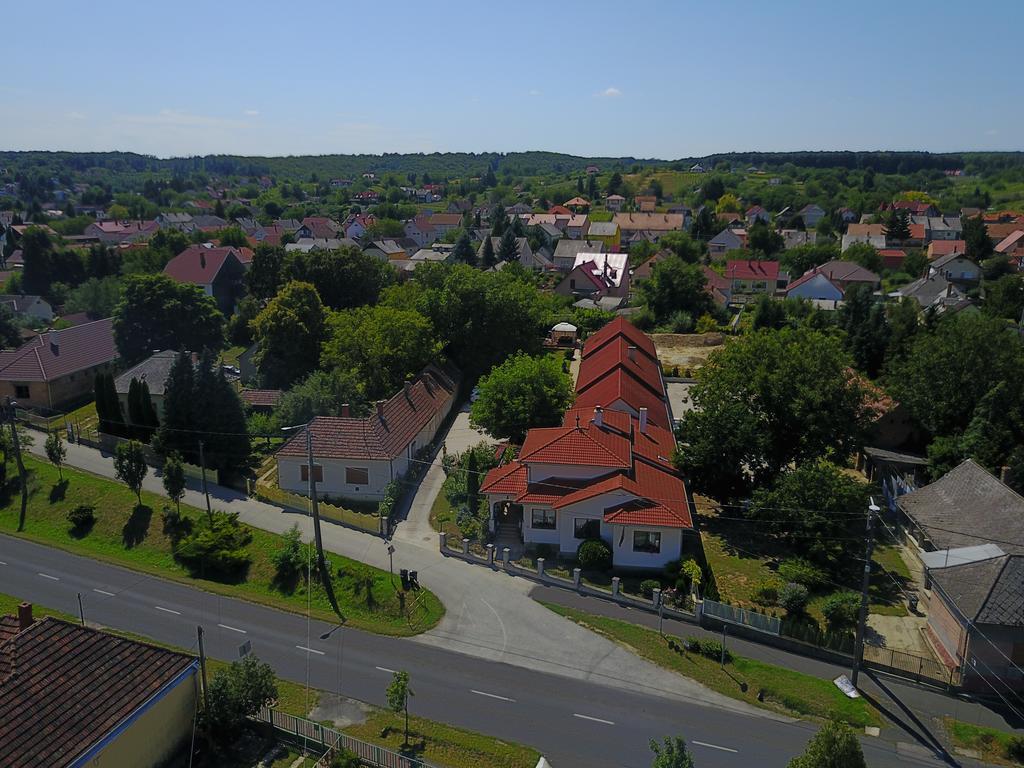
713	746
594	719
233	629
491	695
2	562
310	650
48	576
167	610
104	592
385	669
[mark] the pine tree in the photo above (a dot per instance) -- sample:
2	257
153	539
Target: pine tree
508	248
108	406
221	420
464	250
174	434
488	258
135	428
499	220
898	226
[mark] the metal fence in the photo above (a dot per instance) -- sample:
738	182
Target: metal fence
733	615
904	663
299	728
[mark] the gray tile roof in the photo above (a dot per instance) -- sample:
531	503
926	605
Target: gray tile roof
988	591
965	507
153	370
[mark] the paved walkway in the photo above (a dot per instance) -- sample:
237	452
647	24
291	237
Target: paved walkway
489	615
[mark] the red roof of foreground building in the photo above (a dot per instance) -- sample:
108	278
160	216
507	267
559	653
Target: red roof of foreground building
619	385
751	269
53	354
622	355
508	478
658	498
584	444
654	444
619	327
385	433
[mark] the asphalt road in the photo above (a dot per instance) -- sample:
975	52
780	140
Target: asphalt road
574	723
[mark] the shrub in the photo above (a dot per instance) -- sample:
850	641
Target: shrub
1015	748
840	610
683	573
547	551
801	571
82	516
711	649
647	587
217	545
290	560
793	598
767	593
594	555
470	525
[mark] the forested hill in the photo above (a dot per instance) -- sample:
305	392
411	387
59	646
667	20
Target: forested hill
450	165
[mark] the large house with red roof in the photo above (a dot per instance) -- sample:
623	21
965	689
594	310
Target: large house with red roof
218	271
355	457
607	471
114	231
749	276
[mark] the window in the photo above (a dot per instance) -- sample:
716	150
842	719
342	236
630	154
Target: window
357	476
318	473
647	541
543	518
21	391
585	528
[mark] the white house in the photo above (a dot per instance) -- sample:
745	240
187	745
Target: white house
956	268
356	457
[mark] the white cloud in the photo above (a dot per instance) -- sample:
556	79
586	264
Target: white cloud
611	92
251	112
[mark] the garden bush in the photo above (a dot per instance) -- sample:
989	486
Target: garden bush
840	610
215	546
767	593
82	516
647	587
711	649
290	561
793	598
547	551
683	573
801	571
594	555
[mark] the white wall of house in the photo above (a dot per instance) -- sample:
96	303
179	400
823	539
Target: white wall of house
335	476
625	556
539	472
540	534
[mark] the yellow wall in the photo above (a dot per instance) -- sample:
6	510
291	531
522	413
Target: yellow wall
157	734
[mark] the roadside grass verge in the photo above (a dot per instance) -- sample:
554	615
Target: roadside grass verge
785	691
442	744
137	538
993	745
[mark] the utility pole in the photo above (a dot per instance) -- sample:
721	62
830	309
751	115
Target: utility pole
11	406
81	611
858	646
206	493
202	669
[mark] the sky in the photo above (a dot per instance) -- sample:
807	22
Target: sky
645	79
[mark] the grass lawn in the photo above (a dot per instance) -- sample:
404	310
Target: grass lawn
230	355
993	745
443	744
135	537
442	516
791	693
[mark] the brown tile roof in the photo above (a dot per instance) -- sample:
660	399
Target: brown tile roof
200	265
586	444
53	354
261	397
619	327
64	687
617	354
379	436
657	222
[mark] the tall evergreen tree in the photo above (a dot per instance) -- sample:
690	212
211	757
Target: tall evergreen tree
220	422
464	250
499	220
976	240
175	433
508	248
488	258
108	406
898	226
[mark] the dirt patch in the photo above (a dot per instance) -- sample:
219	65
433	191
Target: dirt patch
686	350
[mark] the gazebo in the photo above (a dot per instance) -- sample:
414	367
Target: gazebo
564	334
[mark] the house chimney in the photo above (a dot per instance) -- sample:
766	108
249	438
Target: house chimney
54	342
346	411
202	260
407	386
24	616
598	416
643	421
631	352
380	409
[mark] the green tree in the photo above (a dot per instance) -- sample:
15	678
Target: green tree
265	273
671	753
10	334
1005	298
676	286
322	393
835	745
385	345
108	406
174	479
56	452
765	401
915	264
343	278
464	251
521	393
289	332
810	509
764	240
615	185
130	466
508	247
867	328
488	258
155	313
897	227
97	297
232	237
38	255
865	255
220	421
977	243
796	261
237	693
398	693
904	319
174	434
499	221
682	245
769	313
728	203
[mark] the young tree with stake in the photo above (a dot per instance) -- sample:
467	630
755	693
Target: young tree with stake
398	694
174	479
56	453
130	466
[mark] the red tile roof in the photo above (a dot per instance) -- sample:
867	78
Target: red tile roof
618	385
659	498
619	327
917	232
507	479
938	248
53	354
200	265
321	226
376	436
749	269
261	397
64	687
619	354
586	444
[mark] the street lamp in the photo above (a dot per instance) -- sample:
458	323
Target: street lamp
315	513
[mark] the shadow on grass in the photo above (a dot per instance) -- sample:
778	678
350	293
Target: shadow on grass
82	530
58	491
175	525
137	527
